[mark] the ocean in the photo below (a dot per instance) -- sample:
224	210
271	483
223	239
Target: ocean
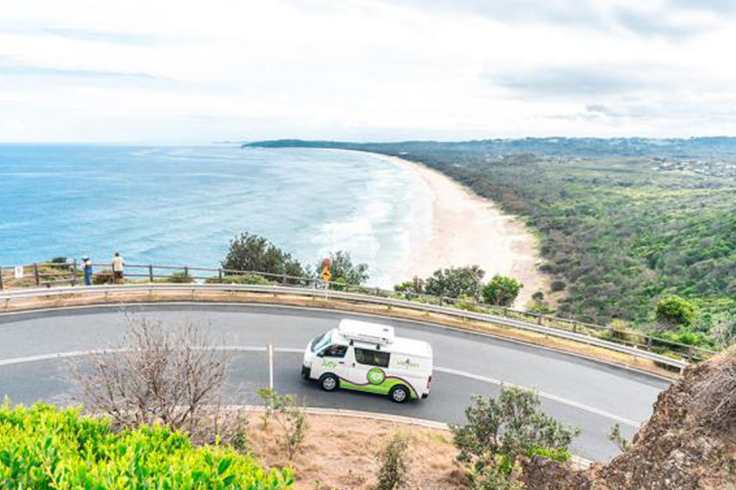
182	205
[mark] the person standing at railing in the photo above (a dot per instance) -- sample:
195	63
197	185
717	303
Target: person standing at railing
87	268
118	264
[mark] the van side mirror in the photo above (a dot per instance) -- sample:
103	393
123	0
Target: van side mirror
321	353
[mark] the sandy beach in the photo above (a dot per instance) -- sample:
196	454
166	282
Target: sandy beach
471	230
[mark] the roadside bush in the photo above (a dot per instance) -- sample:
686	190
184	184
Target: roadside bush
393	463
249	279
674	311
455	282
103	277
43	448
289	415
180	278
500	431
416	286
501	290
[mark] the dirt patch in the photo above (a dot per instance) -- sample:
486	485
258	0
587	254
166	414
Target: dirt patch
576	348
339	453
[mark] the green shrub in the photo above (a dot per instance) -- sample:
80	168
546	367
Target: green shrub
248	279
501	290
42	448
674	310
500	431
393	463
180	277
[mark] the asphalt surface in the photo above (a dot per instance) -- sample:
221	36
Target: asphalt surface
579	392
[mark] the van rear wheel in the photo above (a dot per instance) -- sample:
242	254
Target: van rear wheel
329	382
399	394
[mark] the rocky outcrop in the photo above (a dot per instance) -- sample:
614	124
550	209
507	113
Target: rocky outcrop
689	443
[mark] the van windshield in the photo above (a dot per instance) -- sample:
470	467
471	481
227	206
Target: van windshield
322	341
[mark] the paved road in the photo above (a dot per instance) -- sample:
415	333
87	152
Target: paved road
590	395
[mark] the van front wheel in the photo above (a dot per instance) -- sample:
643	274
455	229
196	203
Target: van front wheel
329	382
399	394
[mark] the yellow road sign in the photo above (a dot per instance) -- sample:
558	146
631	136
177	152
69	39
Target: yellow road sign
326	274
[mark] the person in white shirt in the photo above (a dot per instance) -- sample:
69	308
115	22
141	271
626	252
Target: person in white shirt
118	264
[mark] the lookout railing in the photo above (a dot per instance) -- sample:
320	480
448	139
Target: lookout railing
55	274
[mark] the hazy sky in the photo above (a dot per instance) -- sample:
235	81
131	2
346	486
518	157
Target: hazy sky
184	71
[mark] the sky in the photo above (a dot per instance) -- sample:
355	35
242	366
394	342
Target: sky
191	72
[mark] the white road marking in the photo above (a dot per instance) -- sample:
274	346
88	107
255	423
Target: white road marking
294	350
256	304
542	394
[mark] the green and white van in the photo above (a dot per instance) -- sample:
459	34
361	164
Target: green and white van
369	357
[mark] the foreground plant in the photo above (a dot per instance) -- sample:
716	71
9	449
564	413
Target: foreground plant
42	448
159	374
499	432
289	415
394	464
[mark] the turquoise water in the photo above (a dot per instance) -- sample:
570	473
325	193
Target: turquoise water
181	205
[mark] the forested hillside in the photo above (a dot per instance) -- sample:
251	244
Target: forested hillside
622	223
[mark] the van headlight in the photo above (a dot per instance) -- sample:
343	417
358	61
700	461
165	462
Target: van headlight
308	364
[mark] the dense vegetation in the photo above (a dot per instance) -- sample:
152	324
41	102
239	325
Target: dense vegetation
623	223
44	448
249	252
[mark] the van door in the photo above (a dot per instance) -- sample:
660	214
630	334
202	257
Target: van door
369	370
331	360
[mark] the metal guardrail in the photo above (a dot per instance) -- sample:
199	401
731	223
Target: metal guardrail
51	274
327	294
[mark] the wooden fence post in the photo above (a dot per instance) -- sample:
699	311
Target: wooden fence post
35	273
186	271
150	273
219	274
74	272
1	277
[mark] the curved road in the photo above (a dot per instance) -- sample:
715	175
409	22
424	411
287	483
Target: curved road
584	393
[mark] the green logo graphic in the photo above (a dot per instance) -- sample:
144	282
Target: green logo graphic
376	376
330	364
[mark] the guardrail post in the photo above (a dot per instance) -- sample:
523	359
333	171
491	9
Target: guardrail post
219	274
150	273
74	272
186	271
35	273
1	277
283	279
574	326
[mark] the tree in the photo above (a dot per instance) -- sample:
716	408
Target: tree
675	311
159	375
250	252
341	266
500	431
501	290
455	282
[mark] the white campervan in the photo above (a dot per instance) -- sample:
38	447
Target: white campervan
369	357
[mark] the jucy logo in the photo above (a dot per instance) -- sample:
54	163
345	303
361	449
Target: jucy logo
329	364
407	363
376	376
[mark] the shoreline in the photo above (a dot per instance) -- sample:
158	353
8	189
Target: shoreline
468	229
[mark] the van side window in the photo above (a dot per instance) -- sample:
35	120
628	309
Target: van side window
372	357
335	351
